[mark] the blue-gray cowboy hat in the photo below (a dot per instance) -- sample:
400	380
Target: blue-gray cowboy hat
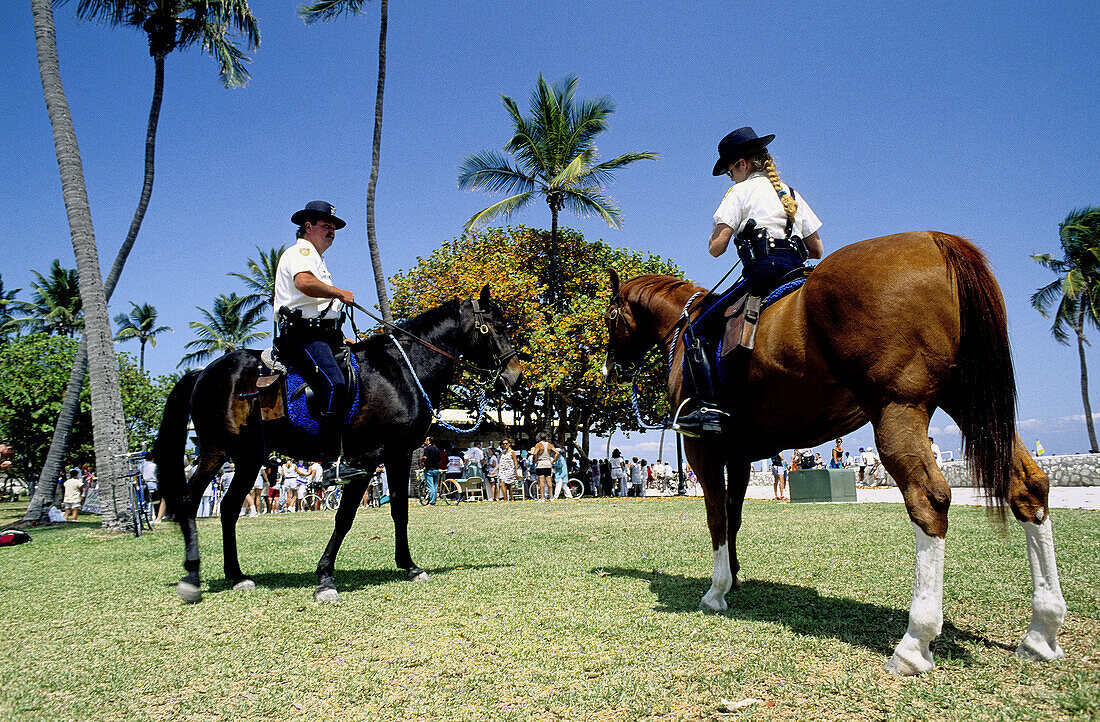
737	145
315	210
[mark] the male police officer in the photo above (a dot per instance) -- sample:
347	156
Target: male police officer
308	310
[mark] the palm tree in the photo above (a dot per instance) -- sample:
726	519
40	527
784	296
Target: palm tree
55	306
108	425
141	324
169	25
260	279
8	324
228	326
330	10
1076	290
555	157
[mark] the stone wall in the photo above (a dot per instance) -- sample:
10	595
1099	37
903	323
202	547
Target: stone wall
1063	470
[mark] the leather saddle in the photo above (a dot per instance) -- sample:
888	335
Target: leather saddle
280	385
743	314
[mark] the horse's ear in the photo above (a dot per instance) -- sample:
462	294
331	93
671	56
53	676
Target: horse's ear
485	293
614	283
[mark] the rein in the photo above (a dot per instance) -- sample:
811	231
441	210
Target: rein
684	314
482	403
501	360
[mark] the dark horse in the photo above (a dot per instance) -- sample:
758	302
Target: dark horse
391	422
886	331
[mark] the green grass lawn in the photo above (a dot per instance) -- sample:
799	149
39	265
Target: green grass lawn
573	610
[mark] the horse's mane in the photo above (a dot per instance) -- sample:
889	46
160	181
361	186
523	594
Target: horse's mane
421	324
643	290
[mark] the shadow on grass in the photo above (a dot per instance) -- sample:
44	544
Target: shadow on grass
804	611
348	580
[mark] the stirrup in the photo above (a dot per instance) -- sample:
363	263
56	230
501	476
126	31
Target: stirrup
707	420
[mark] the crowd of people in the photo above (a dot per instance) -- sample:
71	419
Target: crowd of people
284	485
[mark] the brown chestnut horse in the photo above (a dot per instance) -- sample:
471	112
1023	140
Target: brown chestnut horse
885	330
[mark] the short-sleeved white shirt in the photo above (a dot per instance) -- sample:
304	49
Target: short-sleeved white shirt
755	198
303	256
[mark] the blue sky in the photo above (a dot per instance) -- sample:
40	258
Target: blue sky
974	120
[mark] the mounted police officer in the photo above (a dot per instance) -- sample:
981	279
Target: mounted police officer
308	313
774	233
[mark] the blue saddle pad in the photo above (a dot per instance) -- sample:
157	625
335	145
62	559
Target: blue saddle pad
298	410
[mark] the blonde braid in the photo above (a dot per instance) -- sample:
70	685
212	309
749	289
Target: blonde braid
790	205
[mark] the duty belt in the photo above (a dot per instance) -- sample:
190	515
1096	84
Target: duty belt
293	322
754	243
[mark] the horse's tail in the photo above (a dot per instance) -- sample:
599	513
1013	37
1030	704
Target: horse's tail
983	385
172	441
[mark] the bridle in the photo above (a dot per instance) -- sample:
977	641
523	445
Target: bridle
630	369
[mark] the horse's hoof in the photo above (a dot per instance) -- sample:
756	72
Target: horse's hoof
417	575
245	585
1036	649
711	605
189	592
326	594
908	667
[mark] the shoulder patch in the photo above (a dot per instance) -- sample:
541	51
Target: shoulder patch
303	251
728	192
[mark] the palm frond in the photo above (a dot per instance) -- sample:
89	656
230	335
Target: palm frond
1045	296
601	173
504	208
591	201
491	172
328	10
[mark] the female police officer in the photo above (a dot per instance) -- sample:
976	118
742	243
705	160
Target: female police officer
774	232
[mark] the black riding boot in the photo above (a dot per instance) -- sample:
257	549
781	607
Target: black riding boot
706	419
330	432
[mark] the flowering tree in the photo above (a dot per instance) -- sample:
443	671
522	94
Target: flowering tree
566	394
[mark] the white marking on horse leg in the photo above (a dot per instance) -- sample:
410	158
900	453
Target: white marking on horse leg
1048	608
912	655
715	598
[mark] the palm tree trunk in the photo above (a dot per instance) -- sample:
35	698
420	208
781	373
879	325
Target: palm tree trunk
141	357
108	427
553	281
372	241
1080	329
38	509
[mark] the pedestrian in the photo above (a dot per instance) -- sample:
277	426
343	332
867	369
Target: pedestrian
634	476
618	467
936	451
315	482
290	485
836	461
561	478
779	477
507	472
270	471
544	455
70	502
431	459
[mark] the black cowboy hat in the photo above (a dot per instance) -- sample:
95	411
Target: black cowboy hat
737	145
314	211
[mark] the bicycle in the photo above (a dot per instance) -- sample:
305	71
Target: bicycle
139	504
575	486
332	497
314	499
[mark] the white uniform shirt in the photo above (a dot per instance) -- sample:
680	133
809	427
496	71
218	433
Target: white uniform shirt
303	256
755	198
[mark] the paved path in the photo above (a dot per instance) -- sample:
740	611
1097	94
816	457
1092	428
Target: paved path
1061	497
